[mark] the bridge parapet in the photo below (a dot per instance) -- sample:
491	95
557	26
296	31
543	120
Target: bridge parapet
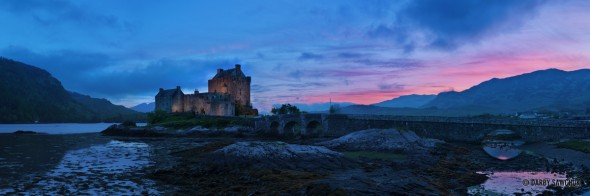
476	120
447	128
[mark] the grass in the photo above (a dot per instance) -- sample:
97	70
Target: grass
183	121
373	155
578	145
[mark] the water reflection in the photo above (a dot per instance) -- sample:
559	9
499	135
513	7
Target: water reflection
109	169
503	144
509	183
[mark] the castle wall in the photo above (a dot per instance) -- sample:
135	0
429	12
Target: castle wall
178	103
170	100
225	91
164	104
209	103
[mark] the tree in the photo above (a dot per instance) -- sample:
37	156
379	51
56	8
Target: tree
156	116
286	109
334	108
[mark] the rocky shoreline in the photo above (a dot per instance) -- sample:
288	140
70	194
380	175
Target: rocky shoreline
369	162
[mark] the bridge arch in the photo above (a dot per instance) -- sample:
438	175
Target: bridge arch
274	127
314	128
292	129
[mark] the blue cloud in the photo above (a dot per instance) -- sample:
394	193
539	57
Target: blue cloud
59	11
309	56
453	23
351	55
102	75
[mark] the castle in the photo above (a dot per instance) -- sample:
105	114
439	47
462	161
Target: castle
229	95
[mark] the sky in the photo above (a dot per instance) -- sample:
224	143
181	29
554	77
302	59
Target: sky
304	51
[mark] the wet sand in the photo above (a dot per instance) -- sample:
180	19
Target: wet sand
75	164
565	155
34	153
42	164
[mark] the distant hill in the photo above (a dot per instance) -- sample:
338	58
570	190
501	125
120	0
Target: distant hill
376	110
407	101
144	107
104	109
29	94
550	89
545	90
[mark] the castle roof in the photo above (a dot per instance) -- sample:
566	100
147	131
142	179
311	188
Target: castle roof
169	92
235	72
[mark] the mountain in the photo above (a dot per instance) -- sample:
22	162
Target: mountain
376	110
104	109
29	94
550	89
407	101
144	107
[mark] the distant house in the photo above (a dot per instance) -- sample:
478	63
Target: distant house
531	115
229	94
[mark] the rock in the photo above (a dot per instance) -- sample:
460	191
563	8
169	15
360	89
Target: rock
129	124
275	150
381	139
237	129
158	128
25	132
120	130
199	129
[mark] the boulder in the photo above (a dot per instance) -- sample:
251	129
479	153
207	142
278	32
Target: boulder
199	129
120	130
275	150
237	129
24	132
381	139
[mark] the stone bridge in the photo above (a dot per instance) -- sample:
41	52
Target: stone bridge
446	128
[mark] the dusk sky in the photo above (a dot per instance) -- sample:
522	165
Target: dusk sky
296	51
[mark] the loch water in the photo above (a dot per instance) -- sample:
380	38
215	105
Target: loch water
72	159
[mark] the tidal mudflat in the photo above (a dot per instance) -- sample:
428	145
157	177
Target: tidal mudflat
73	164
366	162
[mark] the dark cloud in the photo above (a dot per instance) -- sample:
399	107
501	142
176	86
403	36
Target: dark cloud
388	87
61	64
390	63
453	23
60	11
309	56
163	73
398	34
351	55
106	76
257	88
296	74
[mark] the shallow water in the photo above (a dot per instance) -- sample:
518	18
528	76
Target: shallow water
58	128
114	168
503	150
508	183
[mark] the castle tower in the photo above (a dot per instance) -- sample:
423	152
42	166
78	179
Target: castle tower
233	82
